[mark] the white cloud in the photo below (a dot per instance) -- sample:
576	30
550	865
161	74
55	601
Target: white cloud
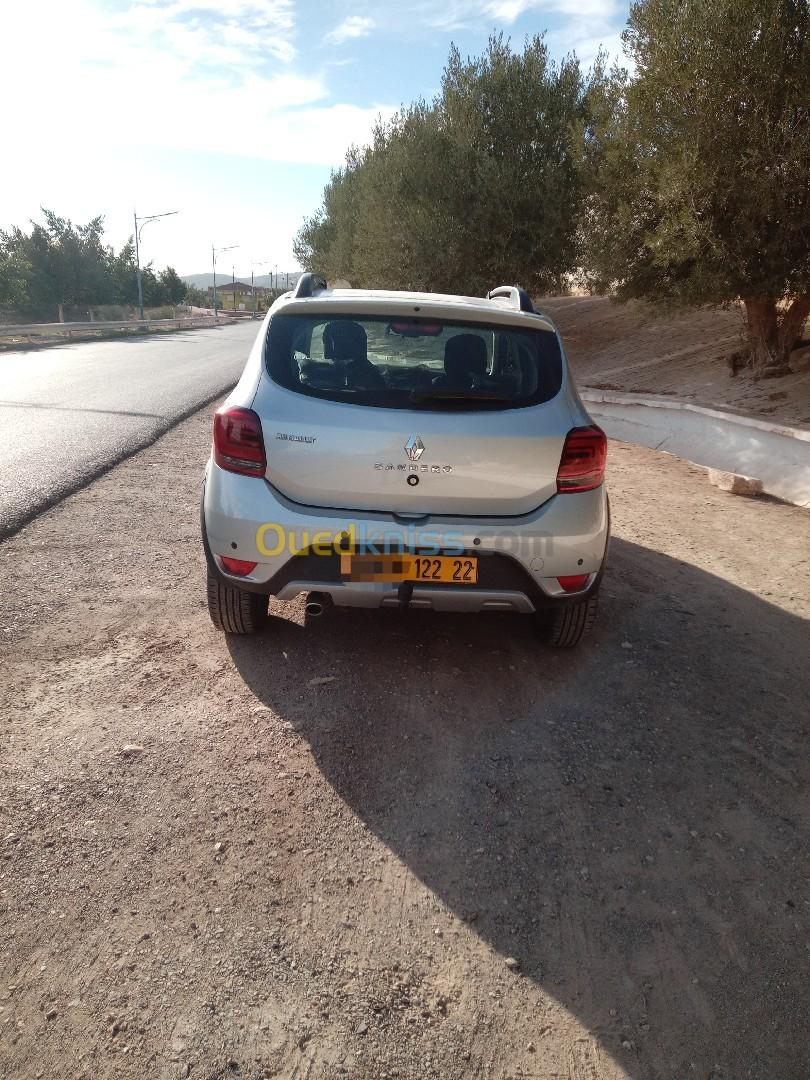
175	76
583	20
509	11
355	26
579	40
210	31
579	26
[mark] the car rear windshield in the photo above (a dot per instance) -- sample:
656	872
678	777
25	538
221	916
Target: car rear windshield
414	363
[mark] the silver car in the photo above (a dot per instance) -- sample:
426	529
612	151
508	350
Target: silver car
406	450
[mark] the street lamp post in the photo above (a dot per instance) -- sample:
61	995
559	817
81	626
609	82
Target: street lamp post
214	252
138	230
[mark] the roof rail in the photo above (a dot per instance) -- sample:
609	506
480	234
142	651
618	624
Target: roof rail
307	285
519	298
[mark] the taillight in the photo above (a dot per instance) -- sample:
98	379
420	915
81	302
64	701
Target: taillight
238	442
573	582
582	465
239	567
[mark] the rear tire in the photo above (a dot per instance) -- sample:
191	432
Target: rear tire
567	624
235	611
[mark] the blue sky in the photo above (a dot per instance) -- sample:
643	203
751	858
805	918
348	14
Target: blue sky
231	111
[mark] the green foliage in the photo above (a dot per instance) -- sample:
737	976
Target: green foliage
698	168
15	271
478	188
59	263
164	289
197	297
172	285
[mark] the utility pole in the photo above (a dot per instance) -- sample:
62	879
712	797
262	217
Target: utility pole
138	229
233	282
214	252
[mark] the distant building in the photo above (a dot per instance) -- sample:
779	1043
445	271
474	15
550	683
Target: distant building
238	294
241	288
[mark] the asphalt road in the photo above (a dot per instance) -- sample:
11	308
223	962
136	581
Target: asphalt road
68	413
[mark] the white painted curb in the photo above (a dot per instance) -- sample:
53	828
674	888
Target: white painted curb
776	454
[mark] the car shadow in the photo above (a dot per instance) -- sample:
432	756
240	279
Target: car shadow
627	820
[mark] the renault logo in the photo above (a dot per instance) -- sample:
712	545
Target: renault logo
414	447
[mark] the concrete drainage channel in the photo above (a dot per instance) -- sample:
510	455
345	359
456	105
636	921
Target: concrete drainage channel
776	455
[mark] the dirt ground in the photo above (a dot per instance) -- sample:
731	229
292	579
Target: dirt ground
422	846
635	347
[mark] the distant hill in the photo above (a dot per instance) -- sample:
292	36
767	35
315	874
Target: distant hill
203	281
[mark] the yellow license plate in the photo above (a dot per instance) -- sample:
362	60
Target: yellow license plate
446	569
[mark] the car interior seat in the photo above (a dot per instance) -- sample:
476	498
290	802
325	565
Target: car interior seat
465	362
345	343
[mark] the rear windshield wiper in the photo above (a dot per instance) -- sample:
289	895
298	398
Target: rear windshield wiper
418	396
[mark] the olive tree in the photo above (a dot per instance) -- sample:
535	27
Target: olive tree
699	166
477	188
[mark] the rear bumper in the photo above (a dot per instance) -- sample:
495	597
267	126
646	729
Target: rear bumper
520	558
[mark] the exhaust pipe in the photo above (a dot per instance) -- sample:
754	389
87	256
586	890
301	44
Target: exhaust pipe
317	603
